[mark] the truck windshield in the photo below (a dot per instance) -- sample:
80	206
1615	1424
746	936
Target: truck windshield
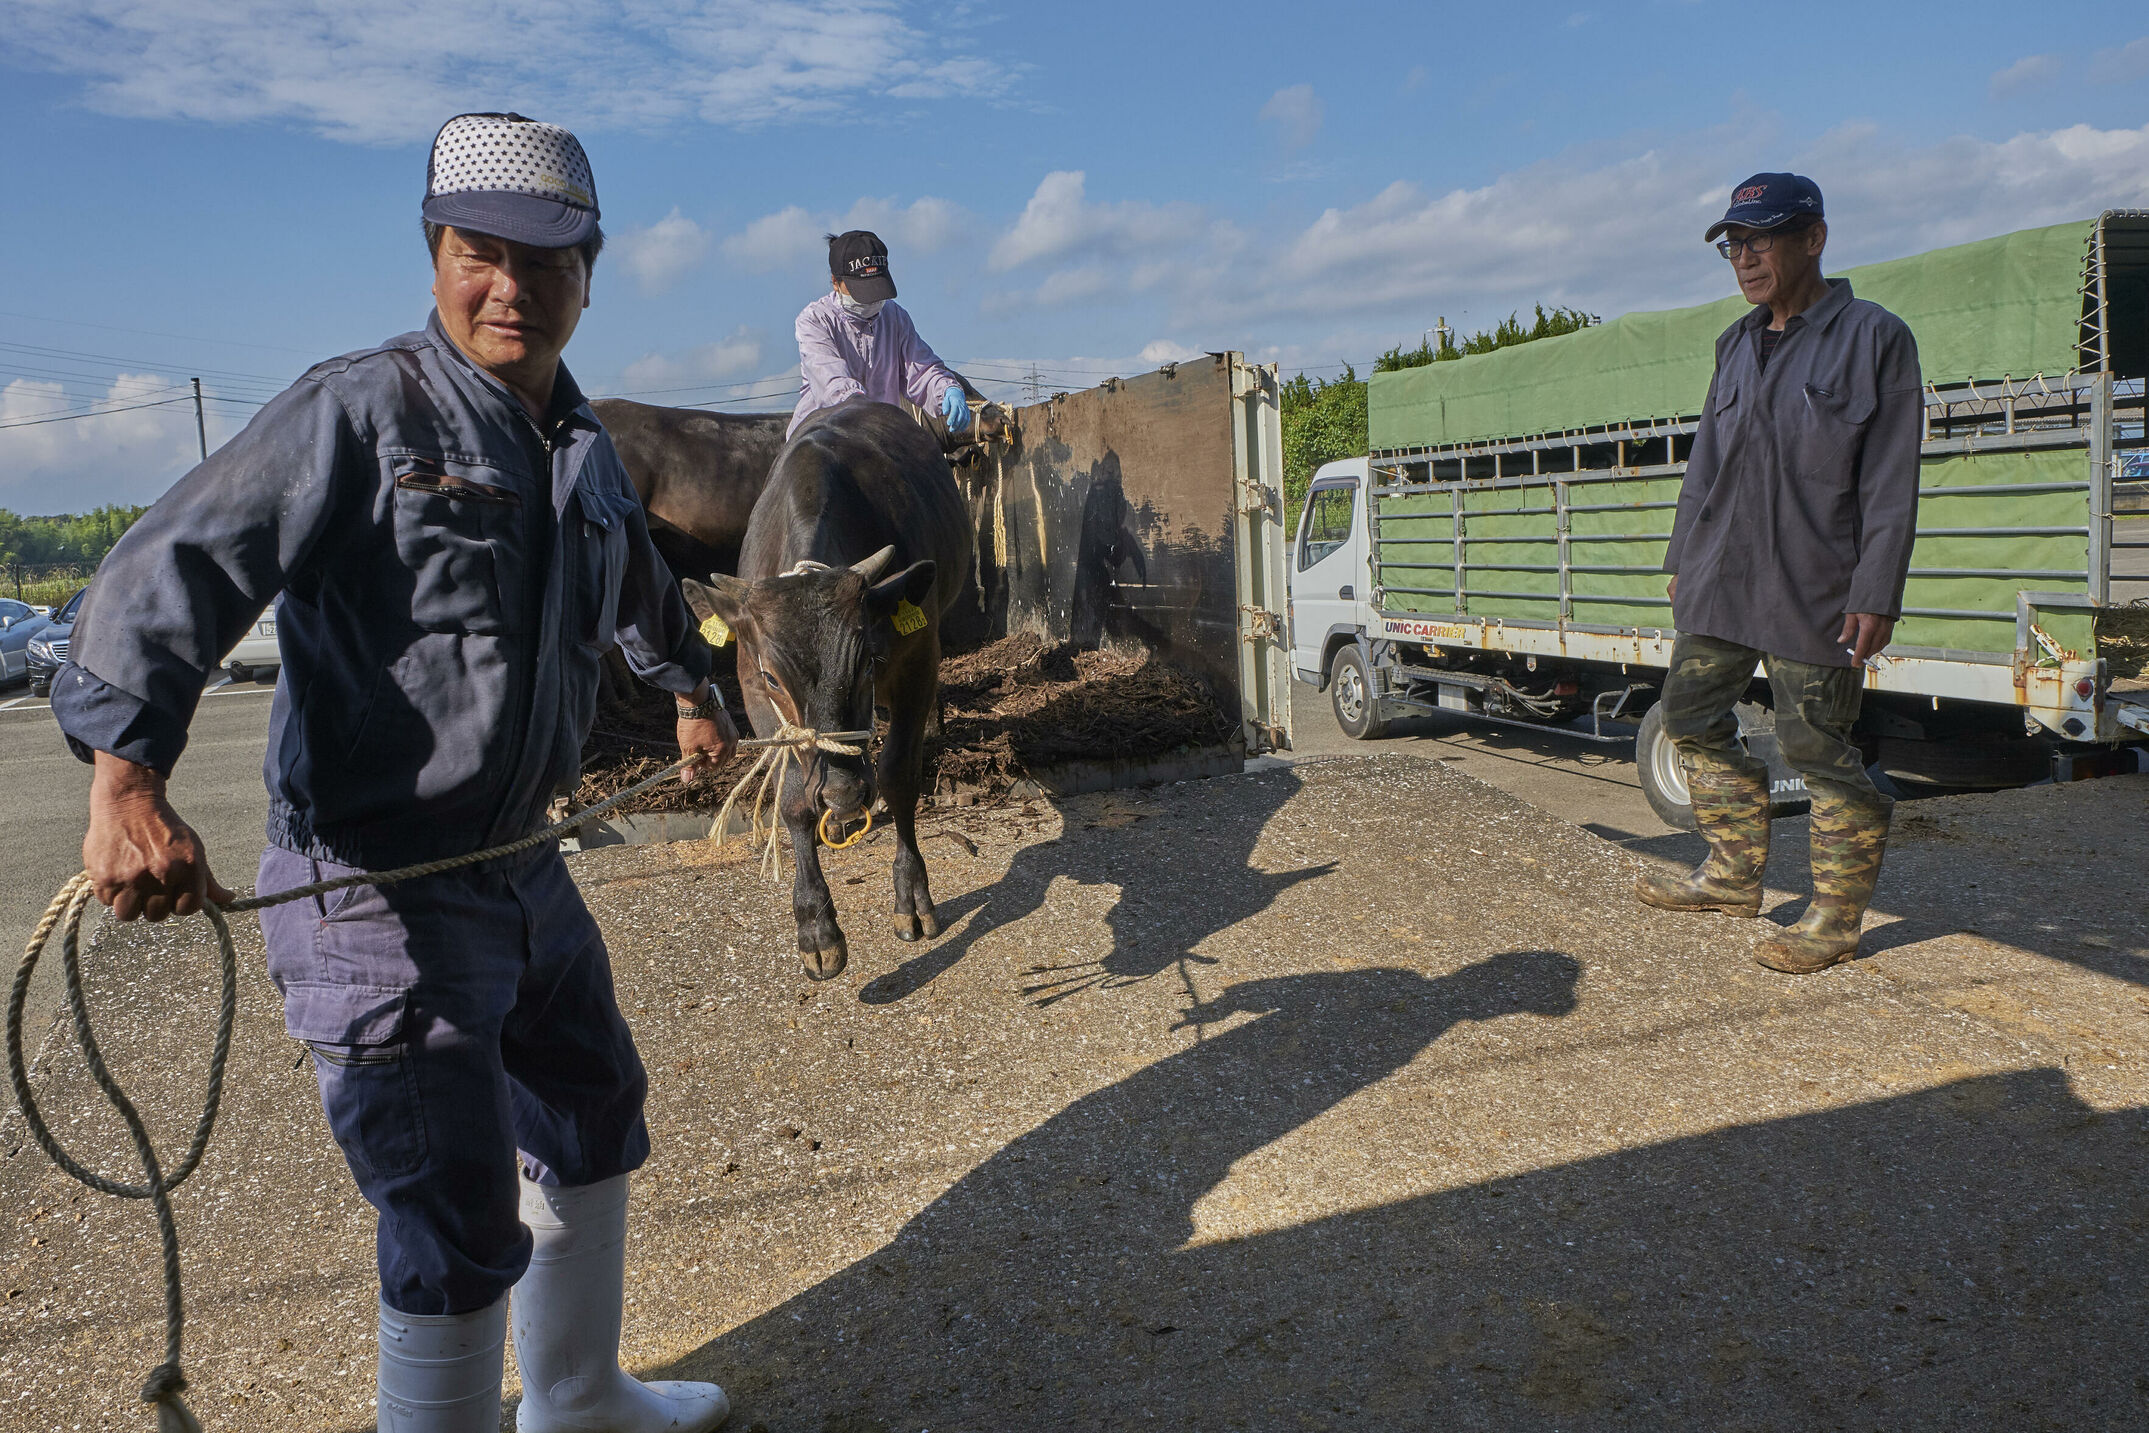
1328	524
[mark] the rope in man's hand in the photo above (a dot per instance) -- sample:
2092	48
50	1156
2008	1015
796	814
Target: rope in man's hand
166	1381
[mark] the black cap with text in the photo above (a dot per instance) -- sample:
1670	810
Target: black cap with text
860	259
1769	201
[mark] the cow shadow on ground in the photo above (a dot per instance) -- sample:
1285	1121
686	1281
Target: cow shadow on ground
1967	1256
1145	854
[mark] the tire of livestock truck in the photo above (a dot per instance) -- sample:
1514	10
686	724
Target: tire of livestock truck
1663	779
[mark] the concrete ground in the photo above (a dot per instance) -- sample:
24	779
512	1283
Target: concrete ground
1357	1094
1588	784
44	795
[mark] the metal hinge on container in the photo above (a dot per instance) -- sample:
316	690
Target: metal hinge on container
1261	625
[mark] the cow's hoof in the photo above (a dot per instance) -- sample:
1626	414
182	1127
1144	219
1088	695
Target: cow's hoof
906	925
826	964
930	924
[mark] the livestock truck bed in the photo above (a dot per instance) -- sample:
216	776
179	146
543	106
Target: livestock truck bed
1514	521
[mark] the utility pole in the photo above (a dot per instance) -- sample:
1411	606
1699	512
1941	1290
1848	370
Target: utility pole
201	426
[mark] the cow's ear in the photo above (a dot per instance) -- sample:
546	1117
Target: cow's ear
910	585
722	596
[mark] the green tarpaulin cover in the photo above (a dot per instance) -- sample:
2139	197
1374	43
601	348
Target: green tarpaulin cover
2005	306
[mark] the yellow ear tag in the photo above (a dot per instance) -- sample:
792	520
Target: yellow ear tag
908	618
715	631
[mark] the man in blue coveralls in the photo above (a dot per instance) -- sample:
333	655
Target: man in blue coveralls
456	546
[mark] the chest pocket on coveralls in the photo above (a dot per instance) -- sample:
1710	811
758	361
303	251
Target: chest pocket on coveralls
1834	423
459	534
599	562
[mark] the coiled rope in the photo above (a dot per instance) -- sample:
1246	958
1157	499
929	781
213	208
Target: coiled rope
166	1381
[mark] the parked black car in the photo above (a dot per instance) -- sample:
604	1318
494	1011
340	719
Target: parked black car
48	649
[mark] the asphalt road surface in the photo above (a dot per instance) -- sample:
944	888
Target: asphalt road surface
1584	783
44	793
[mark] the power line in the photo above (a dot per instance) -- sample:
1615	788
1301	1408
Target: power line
150	332
72	408
99	413
43	351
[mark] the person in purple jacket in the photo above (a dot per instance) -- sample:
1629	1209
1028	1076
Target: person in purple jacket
857	342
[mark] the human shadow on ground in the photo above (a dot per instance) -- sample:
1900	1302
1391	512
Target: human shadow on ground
1154	926
1967	1256
1039	1289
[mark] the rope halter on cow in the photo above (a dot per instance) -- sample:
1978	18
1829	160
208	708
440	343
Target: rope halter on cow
788	747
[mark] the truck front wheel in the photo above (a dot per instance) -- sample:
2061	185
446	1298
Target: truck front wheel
1351	691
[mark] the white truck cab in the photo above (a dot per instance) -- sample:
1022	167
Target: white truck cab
1331	595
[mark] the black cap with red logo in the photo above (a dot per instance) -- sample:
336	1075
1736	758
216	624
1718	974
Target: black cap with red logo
1769	201
860	259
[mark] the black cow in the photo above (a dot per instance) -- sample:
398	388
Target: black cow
857	546
697	473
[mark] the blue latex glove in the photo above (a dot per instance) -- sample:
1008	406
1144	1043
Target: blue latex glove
955	410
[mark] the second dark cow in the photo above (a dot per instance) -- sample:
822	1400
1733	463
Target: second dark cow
857	545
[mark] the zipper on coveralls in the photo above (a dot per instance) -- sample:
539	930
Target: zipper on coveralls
519	734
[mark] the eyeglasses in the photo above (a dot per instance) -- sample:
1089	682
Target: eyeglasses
1755	243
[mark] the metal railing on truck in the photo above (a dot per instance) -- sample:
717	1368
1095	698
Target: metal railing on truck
1554	544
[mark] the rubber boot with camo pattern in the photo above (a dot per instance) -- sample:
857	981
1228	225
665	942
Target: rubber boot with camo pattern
1849	836
1731	810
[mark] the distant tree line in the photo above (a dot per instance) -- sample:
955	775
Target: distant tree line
81	539
1325	419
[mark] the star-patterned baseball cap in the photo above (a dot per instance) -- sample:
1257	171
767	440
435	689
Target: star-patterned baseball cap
512	177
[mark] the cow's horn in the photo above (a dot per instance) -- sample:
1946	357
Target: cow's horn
870	568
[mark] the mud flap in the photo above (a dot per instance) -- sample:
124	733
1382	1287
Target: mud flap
1786	787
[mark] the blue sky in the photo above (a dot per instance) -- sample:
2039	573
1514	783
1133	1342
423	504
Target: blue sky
230	187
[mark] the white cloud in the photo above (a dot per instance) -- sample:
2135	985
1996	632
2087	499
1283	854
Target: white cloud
782	240
1060	222
388	71
926	226
660	255
1603	233
793	238
2031	72
77	463
708	365
1612	237
2123	65
1105	251
1296	111
1163	350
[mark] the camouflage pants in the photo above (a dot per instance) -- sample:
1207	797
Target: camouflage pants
1815	709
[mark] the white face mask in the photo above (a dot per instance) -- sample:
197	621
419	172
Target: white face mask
856	309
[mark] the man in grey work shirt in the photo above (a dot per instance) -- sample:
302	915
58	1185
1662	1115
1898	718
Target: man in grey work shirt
456	546
1790	549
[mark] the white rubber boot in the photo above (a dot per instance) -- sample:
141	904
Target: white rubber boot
567	1316
440	1373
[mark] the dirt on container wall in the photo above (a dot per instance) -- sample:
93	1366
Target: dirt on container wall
1009	710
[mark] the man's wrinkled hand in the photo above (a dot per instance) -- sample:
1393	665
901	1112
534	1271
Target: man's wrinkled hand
142	859
717	740
1865	634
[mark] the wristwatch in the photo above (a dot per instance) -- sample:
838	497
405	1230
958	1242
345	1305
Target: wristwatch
704	710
